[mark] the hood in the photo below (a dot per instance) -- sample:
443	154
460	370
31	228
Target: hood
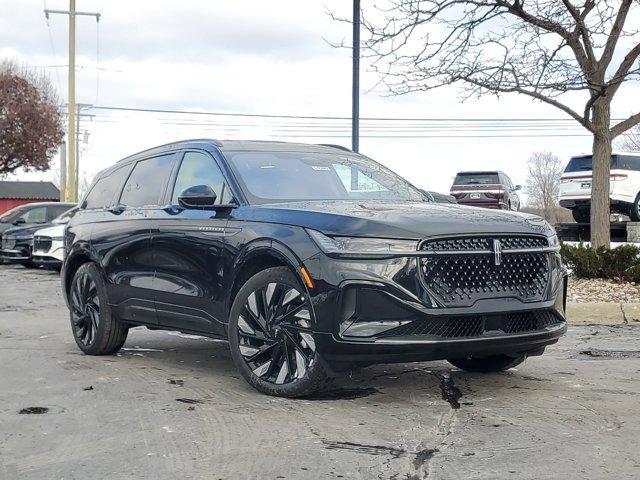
53	232
24	231
414	220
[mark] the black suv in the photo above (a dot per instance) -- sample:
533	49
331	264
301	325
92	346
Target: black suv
310	260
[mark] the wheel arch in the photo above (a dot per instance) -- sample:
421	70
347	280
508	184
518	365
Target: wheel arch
259	256
72	263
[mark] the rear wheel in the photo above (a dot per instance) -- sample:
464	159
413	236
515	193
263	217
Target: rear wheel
271	337
634	210
95	329
496	363
581	214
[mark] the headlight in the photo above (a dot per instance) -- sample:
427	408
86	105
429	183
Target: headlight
362	245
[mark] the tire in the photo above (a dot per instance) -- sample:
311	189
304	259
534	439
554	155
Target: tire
634	210
496	363
581	214
271	338
29	265
95	329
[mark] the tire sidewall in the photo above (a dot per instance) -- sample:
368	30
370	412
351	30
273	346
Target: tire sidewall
315	374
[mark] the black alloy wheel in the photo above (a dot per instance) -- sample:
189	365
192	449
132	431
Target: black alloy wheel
85	309
95	330
271	336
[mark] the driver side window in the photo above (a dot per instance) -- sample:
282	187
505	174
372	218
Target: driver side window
36	215
200	169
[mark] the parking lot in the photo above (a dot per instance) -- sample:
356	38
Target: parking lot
171	406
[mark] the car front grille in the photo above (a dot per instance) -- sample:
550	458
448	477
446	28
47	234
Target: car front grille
477	325
42	244
8	243
460	271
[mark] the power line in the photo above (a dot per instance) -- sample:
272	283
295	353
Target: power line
324	117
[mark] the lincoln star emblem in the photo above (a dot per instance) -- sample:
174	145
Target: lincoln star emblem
497	252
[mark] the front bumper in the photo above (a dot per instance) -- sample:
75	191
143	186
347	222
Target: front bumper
11	255
363	306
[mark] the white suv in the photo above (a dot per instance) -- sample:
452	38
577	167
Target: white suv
624	191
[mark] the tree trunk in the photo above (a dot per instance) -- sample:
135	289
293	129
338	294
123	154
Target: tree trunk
600	208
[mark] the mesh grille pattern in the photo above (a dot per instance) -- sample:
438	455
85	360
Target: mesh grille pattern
461	280
476	325
484	243
42	243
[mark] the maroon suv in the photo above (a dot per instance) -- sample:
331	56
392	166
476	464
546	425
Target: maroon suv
490	189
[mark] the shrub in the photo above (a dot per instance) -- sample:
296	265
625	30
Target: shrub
620	264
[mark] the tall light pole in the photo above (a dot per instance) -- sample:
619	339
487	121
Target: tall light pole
355	94
71	194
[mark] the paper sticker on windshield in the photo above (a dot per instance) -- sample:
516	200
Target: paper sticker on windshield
267	167
318	168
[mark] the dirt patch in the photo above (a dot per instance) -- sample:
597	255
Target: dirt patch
611	353
34	410
450	392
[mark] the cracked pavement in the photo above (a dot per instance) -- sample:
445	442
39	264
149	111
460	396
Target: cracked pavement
171	406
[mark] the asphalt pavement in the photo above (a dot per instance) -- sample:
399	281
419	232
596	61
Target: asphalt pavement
172	406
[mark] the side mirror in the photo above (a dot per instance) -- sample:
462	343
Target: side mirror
19	221
198	196
518	187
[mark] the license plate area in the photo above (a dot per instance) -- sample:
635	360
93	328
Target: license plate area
585	185
475	195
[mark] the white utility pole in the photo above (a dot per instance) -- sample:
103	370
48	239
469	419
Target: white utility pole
63	172
71	194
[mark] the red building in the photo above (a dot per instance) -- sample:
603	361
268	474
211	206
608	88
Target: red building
13	194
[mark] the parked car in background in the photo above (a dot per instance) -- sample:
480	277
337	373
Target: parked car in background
48	244
17	242
487	189
309	260
32	214
624	187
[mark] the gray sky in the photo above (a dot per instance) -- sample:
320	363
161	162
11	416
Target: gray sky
260	57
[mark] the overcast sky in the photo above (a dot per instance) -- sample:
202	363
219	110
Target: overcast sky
266	58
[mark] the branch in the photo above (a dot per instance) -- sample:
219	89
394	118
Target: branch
612	41
623	69
625	125
581	26
538	96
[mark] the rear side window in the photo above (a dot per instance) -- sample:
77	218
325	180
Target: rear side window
146	183
200	169
618	162
479	178
105	188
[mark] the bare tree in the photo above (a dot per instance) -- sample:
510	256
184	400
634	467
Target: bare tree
30	120
630	141
543	184
543	49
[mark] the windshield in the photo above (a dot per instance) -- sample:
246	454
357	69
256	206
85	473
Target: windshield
479	178
294	176
65	217
12	215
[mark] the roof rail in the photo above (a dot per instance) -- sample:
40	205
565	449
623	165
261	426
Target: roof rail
339	147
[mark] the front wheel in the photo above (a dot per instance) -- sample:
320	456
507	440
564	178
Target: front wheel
95	329
496	363
271	337
634	210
